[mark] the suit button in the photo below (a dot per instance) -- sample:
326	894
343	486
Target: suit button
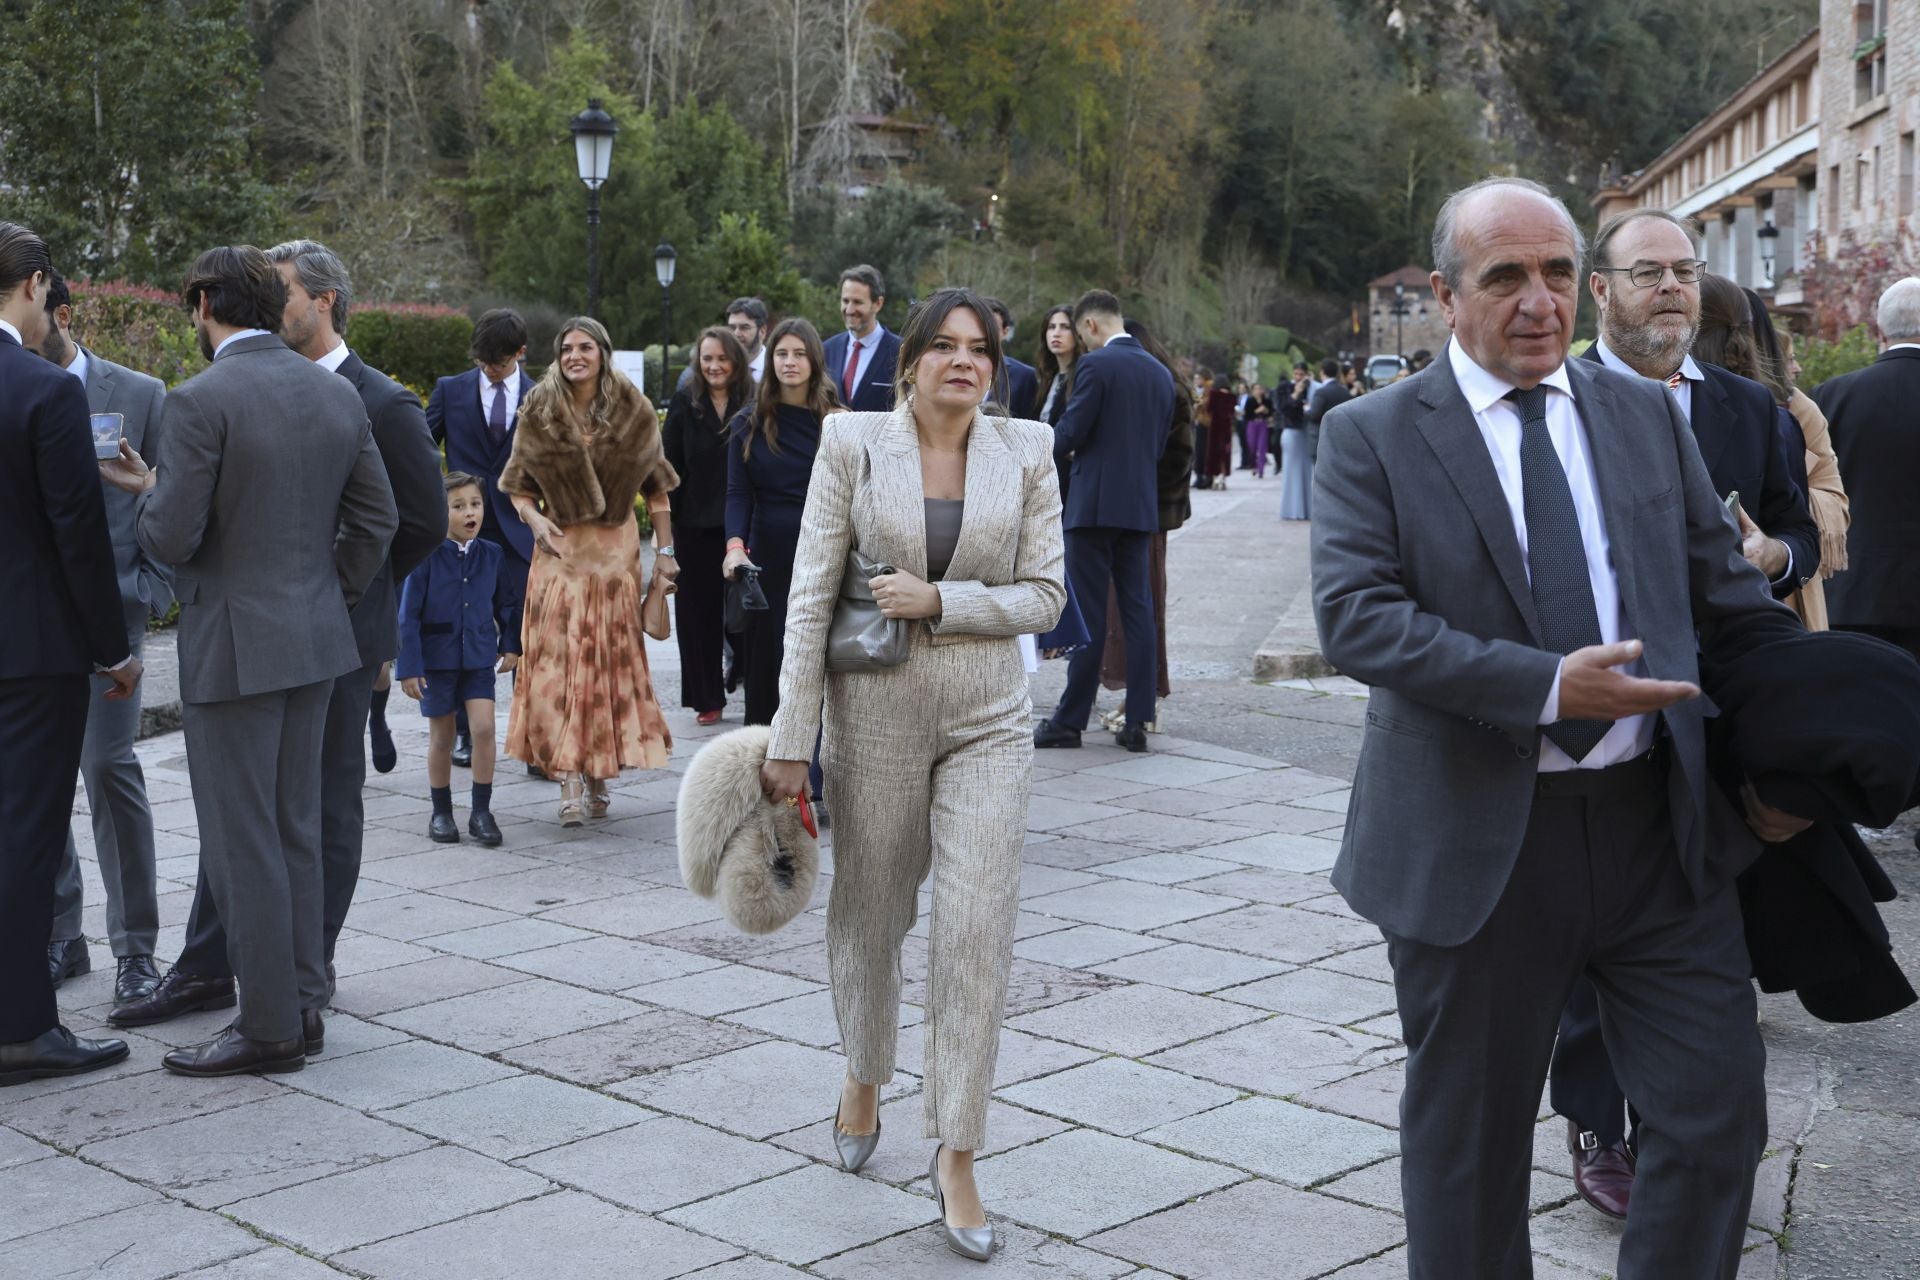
1525	753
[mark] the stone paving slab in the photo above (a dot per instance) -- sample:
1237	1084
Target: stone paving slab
549	1059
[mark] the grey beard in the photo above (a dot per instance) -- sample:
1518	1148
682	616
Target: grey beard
1649	350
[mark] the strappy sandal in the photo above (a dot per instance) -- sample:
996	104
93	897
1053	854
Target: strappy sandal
573	805
597	798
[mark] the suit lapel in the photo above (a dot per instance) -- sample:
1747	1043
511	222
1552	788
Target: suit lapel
898	496
1455	439
1712	421
100	382
994	494
1614	472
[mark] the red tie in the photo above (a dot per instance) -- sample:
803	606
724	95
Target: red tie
1674	382
853	365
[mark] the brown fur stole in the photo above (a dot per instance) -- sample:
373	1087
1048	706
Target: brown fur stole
581	481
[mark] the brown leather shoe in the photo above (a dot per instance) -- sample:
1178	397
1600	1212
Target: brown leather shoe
177	993
314	1031
1603	1175
233	1054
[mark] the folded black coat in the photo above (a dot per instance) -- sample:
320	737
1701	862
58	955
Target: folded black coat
1827	726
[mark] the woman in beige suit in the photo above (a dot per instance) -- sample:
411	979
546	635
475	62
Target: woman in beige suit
929	762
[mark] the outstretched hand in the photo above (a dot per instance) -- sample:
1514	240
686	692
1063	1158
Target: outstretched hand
1591	688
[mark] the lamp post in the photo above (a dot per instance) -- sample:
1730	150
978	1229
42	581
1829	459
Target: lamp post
1768	234
663	259
593	131
1400	309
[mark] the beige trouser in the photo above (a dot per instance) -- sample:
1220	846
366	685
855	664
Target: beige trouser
928	767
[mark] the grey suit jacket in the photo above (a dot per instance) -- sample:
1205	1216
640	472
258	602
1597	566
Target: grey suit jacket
146	585
1008	573
1420	591
273	508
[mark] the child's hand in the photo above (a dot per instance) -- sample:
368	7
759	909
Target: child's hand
508	661
414	686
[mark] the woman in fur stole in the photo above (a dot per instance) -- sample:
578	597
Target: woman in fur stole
587	443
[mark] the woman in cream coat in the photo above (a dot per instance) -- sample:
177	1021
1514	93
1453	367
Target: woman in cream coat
928	763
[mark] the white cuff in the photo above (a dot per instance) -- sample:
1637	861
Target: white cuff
1551	711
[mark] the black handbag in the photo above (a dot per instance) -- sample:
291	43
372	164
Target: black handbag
745	597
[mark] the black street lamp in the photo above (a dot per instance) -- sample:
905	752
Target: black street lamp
1768	234
663	259
1399	309
593	131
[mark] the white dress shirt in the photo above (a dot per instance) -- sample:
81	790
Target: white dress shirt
510	388
235	336
866	347
332	361
757	366
12	332
1499	421
78	366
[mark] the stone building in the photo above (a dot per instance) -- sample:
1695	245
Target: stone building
1420	323
1870	83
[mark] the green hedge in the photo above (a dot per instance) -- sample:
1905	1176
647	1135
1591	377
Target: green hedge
147	329
411	343
1819	360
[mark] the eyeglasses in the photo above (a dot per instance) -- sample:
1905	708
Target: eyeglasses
1649	274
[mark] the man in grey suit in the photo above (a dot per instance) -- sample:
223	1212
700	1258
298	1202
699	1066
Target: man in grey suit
319	292
1523	555
270	501
116	787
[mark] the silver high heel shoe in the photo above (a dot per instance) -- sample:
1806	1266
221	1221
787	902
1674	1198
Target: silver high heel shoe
968	1242
854	1148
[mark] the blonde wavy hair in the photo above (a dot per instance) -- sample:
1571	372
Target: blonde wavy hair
553	394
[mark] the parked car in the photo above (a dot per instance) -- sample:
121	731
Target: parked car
1381	370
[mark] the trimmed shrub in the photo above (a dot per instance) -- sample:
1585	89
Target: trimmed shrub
1819	360
411	342
141	328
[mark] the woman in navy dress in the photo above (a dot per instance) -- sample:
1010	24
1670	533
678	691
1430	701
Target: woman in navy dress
770	450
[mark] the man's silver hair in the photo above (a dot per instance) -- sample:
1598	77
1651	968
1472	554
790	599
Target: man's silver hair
320	271
1899	316
1447	257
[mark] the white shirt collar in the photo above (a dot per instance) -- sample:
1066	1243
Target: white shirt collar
1891	346
235	337
332	361
15	333
1116	336
462	547
80	364
1483	389
1688	369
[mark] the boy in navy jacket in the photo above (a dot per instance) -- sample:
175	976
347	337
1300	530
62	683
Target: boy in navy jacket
458	617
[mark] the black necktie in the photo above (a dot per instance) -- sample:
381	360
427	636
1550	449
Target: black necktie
1556	558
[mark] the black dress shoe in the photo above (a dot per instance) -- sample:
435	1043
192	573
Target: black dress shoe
442	829
1133	738
233	1054
56	1052
380	737
1049	734
535	771
137	979
483	828
177	993
463	751
313	1030
68	958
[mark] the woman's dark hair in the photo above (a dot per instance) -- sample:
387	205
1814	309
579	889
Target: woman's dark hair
923	326
1727	336
243	289
1773	356
1046	364
1151	345
21	254
739	382
498	335
822	398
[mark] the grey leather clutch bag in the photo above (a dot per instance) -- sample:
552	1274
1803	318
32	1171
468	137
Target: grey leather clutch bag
860	637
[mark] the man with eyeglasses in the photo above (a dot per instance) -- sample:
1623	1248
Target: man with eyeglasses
747	317
1646	280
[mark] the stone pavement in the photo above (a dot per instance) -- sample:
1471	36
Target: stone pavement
551	1059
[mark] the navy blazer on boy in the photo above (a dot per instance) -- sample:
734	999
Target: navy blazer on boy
1016	388
455	417
457	611
1115	428
874	394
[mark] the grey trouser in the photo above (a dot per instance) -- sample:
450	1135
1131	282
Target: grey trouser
122	827
255	765
929	766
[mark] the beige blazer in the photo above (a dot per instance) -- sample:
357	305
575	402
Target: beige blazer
1008	573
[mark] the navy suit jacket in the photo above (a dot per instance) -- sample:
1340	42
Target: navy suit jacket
455	419
1733	423
1115	428
1016	388
57	575
456	612
875	392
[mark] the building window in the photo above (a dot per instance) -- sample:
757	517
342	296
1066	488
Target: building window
1903	200
1869	51
1833	201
